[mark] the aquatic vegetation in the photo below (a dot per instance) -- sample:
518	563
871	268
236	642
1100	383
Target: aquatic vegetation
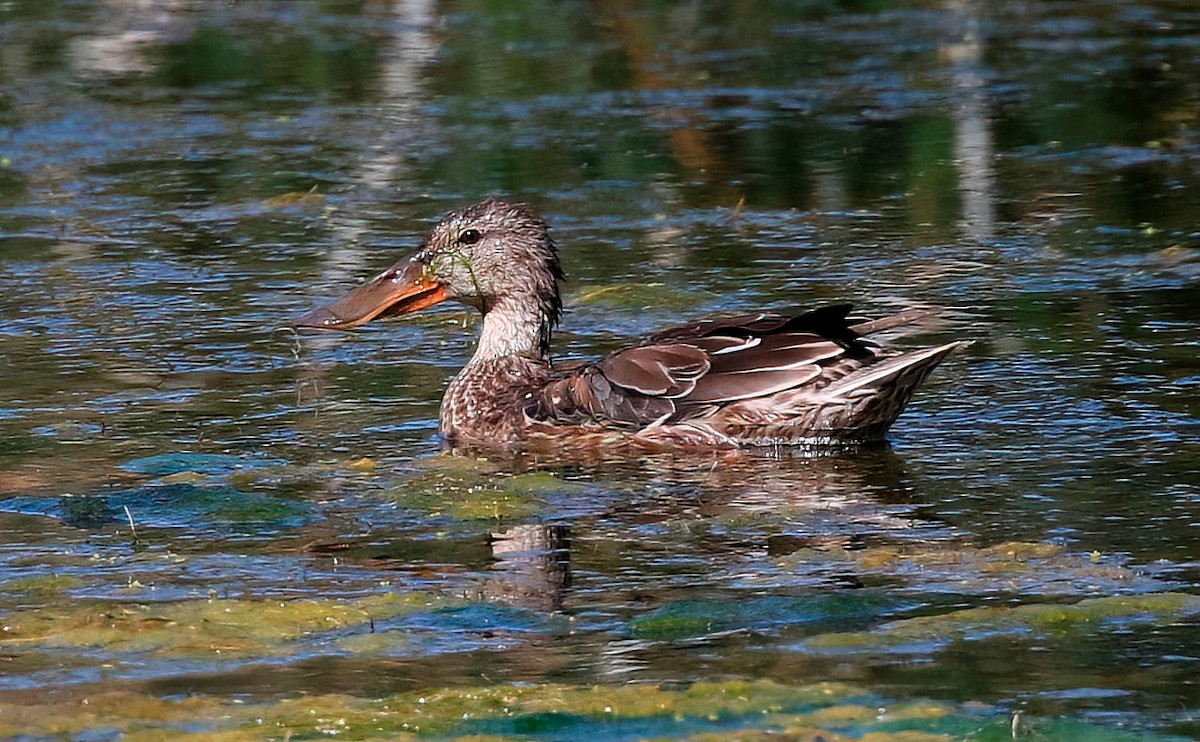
179	503
698	618
704	711
228	627
923	633
466	489
41	584
1039	568
204	463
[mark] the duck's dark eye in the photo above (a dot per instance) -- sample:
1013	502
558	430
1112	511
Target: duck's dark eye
469	237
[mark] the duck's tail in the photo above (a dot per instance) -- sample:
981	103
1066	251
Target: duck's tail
856	408
864	404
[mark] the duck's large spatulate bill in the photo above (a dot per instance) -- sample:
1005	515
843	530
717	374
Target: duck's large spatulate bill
402	289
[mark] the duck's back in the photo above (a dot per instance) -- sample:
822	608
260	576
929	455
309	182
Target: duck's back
767	379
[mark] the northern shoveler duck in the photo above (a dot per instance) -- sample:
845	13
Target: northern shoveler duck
813	378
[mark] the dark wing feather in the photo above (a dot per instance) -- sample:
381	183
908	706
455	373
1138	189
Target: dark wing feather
745	326
685	370
775	352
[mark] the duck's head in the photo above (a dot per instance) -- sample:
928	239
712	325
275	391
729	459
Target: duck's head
488	255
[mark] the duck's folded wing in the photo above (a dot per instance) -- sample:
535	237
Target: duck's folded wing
685	371
630	388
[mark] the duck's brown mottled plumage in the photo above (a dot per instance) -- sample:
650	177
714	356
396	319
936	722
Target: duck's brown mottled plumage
812	378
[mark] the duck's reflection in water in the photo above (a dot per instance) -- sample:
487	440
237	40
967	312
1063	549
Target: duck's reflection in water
710	518
532	567
659	522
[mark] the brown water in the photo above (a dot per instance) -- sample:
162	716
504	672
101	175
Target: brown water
178	179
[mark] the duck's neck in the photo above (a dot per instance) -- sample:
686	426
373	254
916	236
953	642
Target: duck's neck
514	328
484	404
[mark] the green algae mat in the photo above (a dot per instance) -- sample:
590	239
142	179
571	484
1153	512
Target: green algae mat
704	711
144	637
124	641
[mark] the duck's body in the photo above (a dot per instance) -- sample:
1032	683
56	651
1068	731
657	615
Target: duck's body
813	378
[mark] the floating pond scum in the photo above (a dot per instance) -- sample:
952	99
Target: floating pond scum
92	643
557	713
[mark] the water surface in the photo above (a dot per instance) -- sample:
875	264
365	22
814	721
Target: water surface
178	180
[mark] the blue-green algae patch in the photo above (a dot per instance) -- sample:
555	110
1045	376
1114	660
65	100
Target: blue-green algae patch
687	619
925	633
473	490
1012	567
205	463
758	710
41	585
177	505
213	629
452	628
